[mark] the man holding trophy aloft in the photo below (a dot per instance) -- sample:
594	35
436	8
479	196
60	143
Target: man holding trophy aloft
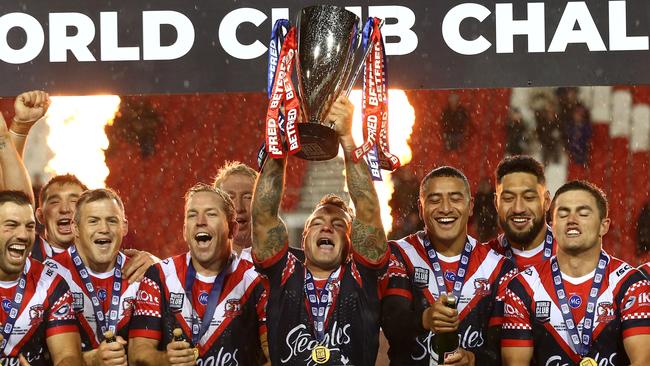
325	310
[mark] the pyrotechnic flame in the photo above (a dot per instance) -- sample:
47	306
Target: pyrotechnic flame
401	117
77	137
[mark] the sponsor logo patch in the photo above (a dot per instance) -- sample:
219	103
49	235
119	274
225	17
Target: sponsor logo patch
176	301
421	276
543	311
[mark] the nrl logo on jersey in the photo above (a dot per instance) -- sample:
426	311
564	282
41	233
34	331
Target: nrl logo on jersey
421	276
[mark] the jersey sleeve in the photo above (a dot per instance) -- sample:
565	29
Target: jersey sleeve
396	282
146	320
516	329
276	268
508	272
635	306
59	317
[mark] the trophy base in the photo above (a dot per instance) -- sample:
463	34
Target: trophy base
318	142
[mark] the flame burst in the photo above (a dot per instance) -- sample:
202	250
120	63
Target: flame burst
401	117
77	137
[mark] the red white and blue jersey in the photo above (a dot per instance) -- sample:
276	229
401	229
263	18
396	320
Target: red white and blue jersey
411	276
351	329
522	258
233	335
82	303
645	268
45	311
533	317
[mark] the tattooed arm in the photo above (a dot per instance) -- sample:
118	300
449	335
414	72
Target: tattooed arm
368	237
269	232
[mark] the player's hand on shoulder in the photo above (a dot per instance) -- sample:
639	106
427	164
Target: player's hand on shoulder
138	264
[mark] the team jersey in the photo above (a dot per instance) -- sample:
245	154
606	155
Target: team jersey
410	275
645	268
43	250
351	329
46	310
522	258
533	317
82	303
233	335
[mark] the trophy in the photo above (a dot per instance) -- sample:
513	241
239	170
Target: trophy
328	38
324	45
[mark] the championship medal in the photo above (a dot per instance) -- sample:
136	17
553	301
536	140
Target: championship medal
321	354
588	361
196	353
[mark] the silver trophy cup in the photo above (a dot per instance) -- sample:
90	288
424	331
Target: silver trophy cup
328	39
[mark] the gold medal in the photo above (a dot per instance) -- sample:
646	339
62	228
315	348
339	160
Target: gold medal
196	353
320	354
588	361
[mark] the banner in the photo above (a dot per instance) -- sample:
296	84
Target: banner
154	47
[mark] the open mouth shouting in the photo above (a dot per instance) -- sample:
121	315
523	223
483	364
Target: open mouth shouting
64	226
325	244
16	251
203	238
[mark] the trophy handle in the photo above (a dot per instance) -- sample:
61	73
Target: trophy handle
355	76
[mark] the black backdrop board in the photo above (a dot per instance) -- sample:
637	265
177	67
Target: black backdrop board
227	52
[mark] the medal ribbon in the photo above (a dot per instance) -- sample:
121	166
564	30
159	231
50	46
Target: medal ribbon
14	308
375	105
581	344
275	45
283	92
198	330
103	323
459	279
318	305
548	246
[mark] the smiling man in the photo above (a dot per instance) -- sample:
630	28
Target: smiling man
58	199
38	325
210	293
93	268
522	201
582	306
324	310
428	265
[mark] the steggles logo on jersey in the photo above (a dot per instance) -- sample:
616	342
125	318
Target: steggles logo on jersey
481	287
222	358
421	276
557	360
543	311
605	312
36	315
468	340
77	302
233	308
300	341
176	301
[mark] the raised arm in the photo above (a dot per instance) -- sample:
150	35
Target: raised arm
269	232
14	174
368	237
29	108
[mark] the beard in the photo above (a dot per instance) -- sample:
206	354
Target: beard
523	238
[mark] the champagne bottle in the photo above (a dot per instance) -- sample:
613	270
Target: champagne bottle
178	335
446	344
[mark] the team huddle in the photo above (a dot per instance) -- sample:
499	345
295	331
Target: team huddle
539	294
